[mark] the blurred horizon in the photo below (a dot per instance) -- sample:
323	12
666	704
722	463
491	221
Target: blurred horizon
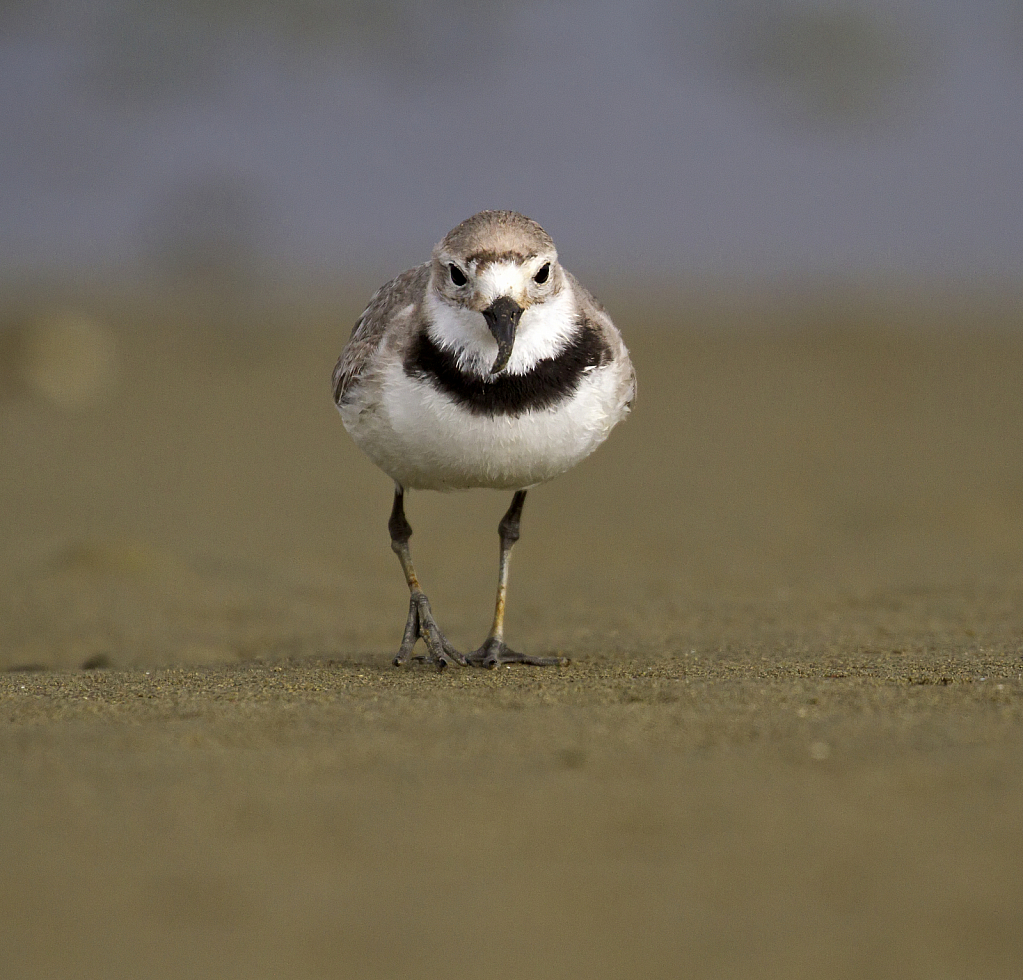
305	140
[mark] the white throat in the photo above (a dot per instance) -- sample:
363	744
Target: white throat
543	332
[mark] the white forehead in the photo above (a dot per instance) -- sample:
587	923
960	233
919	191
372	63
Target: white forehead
504	278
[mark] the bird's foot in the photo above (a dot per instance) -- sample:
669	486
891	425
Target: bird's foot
495	651
421	625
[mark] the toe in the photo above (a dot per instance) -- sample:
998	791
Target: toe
494	653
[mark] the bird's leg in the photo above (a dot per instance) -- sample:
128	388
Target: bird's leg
420	622
494	650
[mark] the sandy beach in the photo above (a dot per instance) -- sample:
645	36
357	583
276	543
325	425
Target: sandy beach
789	742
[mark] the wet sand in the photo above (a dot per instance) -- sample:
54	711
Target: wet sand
789	742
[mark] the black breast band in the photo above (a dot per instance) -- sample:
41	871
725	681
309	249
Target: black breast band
550	381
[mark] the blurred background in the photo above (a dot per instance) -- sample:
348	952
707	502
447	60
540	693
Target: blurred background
730	139
791	584
197	199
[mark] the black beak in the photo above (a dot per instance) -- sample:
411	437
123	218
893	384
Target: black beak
502	318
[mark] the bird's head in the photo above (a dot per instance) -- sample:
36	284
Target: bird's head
497	264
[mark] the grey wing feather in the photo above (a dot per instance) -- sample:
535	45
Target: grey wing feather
593	310
370	328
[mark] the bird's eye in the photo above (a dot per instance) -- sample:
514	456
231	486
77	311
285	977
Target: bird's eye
542	273
457	276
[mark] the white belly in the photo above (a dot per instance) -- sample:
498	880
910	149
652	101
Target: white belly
424	440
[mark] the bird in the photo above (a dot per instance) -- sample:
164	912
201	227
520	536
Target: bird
488	366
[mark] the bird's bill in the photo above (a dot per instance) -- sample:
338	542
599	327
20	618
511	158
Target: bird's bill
502	318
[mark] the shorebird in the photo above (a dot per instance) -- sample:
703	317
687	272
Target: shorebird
488	366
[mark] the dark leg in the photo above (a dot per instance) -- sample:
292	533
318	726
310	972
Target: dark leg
494	650
420	622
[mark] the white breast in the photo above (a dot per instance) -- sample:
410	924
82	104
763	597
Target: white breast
423	439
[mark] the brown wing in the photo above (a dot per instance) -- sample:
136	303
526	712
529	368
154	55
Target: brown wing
370	328
592	310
